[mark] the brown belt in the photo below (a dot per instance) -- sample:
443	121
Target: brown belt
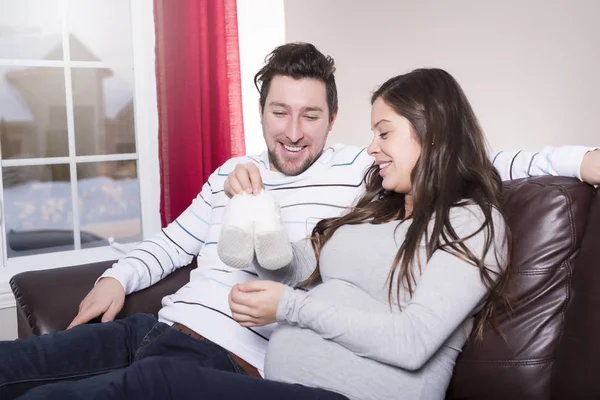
249	369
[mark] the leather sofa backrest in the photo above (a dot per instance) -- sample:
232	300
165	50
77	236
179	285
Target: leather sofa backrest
547	217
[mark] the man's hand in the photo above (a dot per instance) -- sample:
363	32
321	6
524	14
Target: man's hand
245	178
254	303
590	167
106	299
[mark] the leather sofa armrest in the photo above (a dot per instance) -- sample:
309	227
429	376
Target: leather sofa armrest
48	300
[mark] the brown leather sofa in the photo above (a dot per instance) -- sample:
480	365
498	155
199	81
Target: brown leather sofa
552	346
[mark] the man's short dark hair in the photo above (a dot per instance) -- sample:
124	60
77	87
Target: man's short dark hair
298	60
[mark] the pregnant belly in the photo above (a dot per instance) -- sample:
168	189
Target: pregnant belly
343	293
298	355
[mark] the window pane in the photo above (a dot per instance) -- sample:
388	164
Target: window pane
103	111
31	29
33	116
109	201
38	209
100	30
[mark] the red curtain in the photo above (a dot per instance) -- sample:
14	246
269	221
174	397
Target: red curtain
199	96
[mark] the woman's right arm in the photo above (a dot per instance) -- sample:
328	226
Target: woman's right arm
449	291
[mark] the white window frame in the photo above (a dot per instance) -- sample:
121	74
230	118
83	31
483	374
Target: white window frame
261	28
146	134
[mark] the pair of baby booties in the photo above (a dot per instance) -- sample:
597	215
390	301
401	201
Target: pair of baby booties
252	227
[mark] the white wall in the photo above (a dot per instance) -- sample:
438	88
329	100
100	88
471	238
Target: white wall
530	68
8	323
260	29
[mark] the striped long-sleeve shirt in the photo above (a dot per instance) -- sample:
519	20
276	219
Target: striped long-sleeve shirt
328	188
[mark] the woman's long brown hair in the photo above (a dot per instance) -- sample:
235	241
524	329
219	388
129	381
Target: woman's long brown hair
453	170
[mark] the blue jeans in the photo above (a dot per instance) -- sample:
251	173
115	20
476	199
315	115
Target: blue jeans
133	358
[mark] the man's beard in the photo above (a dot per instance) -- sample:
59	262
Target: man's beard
280	166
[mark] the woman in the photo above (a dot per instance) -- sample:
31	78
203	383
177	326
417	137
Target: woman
406	271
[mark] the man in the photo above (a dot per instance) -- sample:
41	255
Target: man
137	356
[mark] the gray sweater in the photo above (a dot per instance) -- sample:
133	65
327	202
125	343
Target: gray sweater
343	335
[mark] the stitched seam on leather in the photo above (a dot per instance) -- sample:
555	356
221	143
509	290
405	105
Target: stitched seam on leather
21	303
509	363
568	264
560	186
541	271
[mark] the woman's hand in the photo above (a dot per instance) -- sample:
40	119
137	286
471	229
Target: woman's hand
254	303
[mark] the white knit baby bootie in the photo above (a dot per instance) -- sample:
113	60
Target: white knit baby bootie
271	245
236	241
